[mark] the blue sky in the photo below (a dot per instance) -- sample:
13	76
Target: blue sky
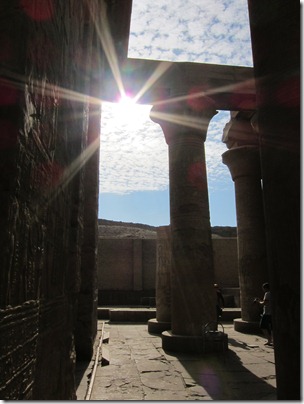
133	154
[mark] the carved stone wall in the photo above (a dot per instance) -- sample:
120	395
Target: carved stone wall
19	335
45	70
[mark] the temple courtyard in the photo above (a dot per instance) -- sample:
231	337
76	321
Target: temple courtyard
131	365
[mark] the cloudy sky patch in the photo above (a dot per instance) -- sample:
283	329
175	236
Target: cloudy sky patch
205	31
133	156
136	159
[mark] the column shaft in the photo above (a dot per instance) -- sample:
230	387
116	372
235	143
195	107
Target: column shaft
192	272
275	28
163	275
192	258
244	165
137	265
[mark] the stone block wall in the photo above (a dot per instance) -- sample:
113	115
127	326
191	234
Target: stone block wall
127	268
46	73
148	262
225	262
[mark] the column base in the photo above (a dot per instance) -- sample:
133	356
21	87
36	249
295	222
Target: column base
157	327
247	327
214	342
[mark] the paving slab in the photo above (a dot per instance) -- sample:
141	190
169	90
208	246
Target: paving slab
140	369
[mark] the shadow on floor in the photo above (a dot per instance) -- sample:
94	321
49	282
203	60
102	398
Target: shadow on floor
81	371
225	377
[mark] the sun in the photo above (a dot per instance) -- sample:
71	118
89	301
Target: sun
129	115
127	108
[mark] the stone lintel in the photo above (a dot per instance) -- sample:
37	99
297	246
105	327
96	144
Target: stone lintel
230	87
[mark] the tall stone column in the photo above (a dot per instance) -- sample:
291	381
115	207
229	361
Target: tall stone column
192	273
244	165
162	321
275	28
86	324
137	265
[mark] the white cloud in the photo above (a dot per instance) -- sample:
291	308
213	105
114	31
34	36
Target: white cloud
218	173
137	159
132	158
195	31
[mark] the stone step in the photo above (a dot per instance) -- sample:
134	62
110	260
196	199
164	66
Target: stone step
136	315
230	313
142	315
105	355
126	313
105	337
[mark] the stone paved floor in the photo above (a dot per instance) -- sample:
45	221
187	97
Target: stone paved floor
139	369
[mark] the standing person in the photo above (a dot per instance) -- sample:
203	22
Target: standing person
220	303
266	322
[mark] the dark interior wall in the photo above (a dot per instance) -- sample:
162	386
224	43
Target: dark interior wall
45	61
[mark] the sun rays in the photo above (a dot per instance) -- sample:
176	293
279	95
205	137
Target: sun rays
162	67
164	106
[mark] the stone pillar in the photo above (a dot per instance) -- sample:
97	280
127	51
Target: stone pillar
192	276
162	321
86	324
137	265
275	31
244	166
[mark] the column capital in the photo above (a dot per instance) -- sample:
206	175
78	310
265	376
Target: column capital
179	117
243	161
239	131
